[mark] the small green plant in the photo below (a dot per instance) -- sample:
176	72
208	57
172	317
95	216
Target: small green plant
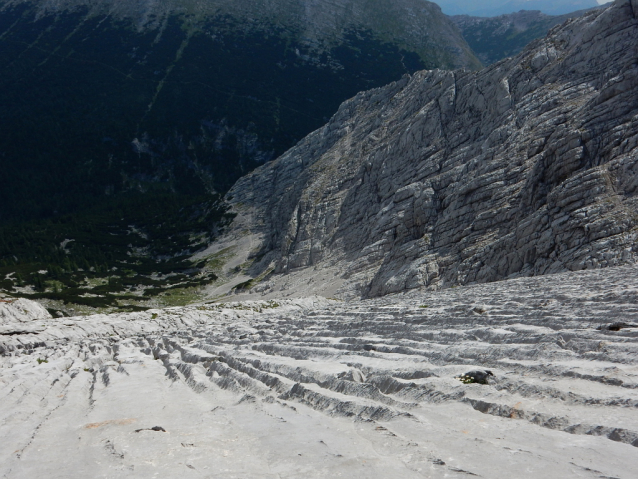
154	316
87	370
40	361
466	379
424	306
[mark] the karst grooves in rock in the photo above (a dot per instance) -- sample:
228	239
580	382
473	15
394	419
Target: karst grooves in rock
527	167
316	388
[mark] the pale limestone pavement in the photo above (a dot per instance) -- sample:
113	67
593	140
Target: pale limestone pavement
320	388
442	179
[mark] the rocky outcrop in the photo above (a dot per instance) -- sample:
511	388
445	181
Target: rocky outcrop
527	167
20	310
20	316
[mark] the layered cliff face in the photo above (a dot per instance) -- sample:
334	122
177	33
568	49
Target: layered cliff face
527	167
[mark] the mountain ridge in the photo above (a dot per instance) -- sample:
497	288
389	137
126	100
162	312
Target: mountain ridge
492	8
315	20
187	95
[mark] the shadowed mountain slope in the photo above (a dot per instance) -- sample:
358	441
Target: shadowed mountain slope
106	97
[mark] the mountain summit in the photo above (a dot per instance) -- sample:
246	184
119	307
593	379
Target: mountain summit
527	167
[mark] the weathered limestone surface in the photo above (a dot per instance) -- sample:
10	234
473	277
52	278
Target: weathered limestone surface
20	310
316	388
527	167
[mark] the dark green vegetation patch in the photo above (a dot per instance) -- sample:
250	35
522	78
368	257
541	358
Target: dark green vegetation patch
118	256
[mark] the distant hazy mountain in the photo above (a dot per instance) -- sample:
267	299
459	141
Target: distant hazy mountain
489	8
495	38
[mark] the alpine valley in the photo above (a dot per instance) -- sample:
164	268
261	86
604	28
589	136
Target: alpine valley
124	122
438	282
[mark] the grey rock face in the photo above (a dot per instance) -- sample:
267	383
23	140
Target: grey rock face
20	310
527	167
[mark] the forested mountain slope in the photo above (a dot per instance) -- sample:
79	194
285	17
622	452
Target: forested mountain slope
105	97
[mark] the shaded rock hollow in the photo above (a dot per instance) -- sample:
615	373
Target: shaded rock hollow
527	167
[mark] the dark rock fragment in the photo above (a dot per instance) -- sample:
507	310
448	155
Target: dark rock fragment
154	428
479	377
616	326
